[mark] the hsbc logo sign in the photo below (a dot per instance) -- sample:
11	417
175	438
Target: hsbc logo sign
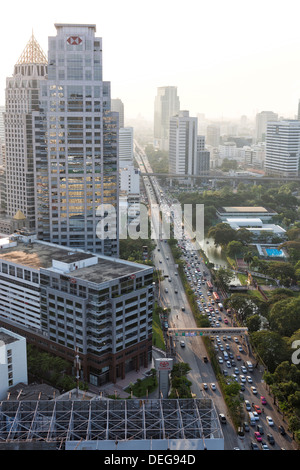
74	40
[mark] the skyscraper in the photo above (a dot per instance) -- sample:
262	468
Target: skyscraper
76	145
262	120
166	105
183	143
22	100
283	148
118	106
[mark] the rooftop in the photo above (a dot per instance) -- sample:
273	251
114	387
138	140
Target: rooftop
39	255
240	209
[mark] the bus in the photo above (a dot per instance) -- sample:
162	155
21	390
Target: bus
209	286
216	297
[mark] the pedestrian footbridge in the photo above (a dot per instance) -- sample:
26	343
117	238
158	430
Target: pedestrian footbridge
237	331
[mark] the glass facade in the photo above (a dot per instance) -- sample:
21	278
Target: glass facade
81	165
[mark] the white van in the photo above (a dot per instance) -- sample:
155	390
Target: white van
252	419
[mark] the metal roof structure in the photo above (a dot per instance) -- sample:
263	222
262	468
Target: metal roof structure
104	424
33	53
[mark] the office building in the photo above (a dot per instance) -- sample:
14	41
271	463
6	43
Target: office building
283	148
22	97
261	124
213	135
118	107
125	147
62	298
183	143
166	105
13	361
76	144
203	156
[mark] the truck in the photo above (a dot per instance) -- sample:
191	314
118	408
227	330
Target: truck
249	366
221	307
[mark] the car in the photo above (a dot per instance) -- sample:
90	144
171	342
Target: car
257	436
249	379
248	405
236	370
182	344
222	418
205	387
242	387
240	348
269	421
220	360
176	291
238	357
226	321
260	429
166	290
205	359
254	446
257	409
213	386
243	369
183	309
264	446
246	426
235	339
253	390
228	364
263	400
271	439
256	415
242	378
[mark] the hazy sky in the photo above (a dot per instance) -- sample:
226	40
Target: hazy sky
227	58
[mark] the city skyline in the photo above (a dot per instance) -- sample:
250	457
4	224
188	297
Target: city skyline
208	51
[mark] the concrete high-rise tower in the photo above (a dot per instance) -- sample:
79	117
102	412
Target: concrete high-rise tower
183	144
283	148
22	100
166	105
76	146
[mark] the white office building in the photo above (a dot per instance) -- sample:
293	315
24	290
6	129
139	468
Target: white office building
13	361
183	143
125	147
283	148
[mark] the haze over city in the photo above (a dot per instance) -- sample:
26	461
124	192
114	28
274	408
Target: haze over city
227	59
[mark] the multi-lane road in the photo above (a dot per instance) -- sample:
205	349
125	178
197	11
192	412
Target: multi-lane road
204	384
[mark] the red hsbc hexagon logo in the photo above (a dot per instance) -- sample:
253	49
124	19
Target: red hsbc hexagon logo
74	40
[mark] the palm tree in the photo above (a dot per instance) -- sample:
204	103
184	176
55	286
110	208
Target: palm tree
248	258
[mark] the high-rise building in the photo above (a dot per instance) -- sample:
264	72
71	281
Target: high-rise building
125	147
166	105
202	163
76	145
183	144
283	148
118	107
22	100
213	135
261	124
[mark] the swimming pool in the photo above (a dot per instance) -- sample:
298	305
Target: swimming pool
274	252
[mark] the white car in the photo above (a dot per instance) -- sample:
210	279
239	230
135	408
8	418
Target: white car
243	369
182	344
249	379
242	378
254	391
236	339
220	360
213	386
269	421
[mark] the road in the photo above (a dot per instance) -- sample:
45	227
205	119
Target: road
172	295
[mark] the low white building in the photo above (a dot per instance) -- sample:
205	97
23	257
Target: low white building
13	361
256	226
